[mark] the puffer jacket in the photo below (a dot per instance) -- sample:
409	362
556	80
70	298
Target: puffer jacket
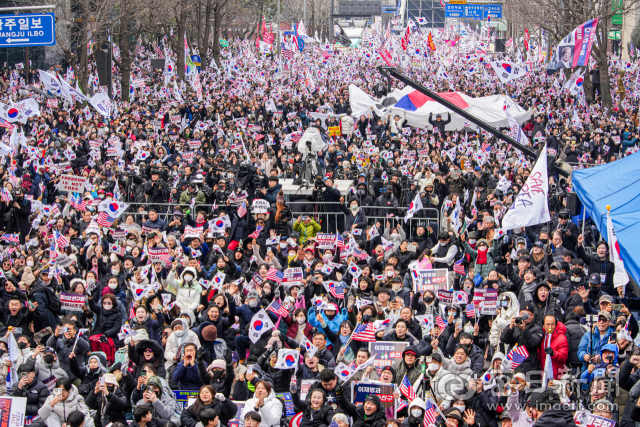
559	345
45	371
504	317
346	123
378	419
109	409
574	335
175	344
482	269
271	411
401	368
108	323
74	402
311	417
36	394
306	231
187	297
226	410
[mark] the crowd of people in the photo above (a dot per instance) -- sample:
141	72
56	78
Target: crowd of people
182	266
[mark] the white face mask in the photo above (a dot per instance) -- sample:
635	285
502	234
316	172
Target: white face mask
461	408
416	412
390	274
301	320
188	277
115	272
283	245
113	285
29	263
180	332
433	367
469	329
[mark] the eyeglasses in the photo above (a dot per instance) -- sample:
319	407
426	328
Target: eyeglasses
602	320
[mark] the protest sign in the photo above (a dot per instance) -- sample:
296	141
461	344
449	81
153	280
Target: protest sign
260	206
72	184
292	277
12	411
430	280
360	391
288	403
237	421
72	302
386	353
183	396
325	241
592	420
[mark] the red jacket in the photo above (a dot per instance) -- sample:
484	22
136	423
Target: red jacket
292	329
560	347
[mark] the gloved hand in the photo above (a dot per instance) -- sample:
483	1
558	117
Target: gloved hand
199	354
104	339
228	356
220	397
549	351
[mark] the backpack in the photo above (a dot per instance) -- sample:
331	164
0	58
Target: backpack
54	302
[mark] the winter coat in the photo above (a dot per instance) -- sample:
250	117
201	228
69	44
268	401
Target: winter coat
555	418
401	368
74	402
187	297
109	409
592	343
595	265
188	377
63	348
574	335
333	324
226	410
306	231
175	346
36	394
482	269
504	317
42	316
530	337
108	323
293	326
311	417
45	371
271	412
346	123
560	348
378	419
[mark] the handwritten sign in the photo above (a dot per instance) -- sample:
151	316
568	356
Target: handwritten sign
72	184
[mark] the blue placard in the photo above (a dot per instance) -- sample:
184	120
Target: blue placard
473	11
495	9
288	403
454	11
33	29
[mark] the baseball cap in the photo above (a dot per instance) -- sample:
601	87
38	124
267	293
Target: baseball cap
604	314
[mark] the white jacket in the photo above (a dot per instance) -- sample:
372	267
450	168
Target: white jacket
174	342
518	418
347	125
271	412
187	297
504	317
75	402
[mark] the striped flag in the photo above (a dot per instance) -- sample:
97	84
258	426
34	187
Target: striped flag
242	210
441	322
429	414
256	233
6	196
277	308
517	355
10	238
486	147
458	267
61	241
364	332
337	292
105	220
471	310
407	389
5	124
339	242
78	203
274	275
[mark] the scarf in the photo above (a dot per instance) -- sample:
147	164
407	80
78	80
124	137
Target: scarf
538	257
482	257
279	208
26	183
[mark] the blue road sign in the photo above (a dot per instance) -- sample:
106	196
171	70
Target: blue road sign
33	29
473	11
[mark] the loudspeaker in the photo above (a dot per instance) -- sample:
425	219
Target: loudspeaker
574	205
157	63
499	45
103	65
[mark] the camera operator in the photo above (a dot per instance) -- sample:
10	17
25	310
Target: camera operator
386	200
324	191
157	190
429	197
568	229
191	192
524	330
221	192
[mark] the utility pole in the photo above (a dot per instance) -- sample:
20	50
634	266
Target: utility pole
305	12
331	30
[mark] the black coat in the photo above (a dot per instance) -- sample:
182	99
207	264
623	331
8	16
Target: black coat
311	418
36	394
531	338
574	335
108	322
378	419
113	406
226	410
555	418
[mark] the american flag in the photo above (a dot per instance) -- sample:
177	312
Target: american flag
132	310
339	242
105	220
242	210
429	414
274	275
364	332
407	389
471	310
458	267
337	292
5	124
517	355
158	52
10	238
401	405
441	322
296	136
277	308
287	53
256	233
6	196
486	147
78	203
61	241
